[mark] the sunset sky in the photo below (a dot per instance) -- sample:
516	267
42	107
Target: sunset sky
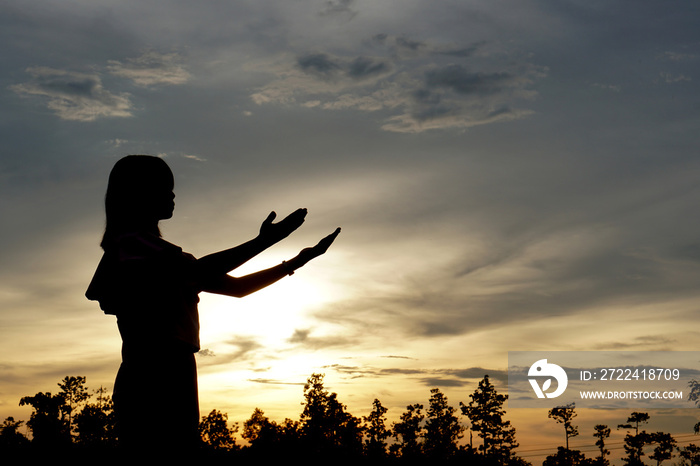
508	175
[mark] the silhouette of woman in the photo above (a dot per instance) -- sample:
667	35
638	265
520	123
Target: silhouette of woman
152	287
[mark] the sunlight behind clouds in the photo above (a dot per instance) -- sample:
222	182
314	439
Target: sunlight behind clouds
270	315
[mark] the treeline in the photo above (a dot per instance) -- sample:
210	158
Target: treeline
661	446
79	422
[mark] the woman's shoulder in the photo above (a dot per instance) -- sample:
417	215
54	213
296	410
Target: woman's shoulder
139	245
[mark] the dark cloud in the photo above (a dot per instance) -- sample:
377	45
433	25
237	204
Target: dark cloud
319	64
81	96
74	95
478	373
405	43
463	81
327	67
440	382
422	90
463	52
362	67
299	336
380	38
247	346
275	382
429	377
302	337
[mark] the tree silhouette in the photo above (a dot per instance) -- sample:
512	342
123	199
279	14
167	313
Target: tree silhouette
601	433
48	426
694	394
10	437
691	452
95	423
259	431
215	432
289	434
408	433
634	444
566	457
665	444
442	428
326	426
376	431
485	412
564	415
74	393
634	421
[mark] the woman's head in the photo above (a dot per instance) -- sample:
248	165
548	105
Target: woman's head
139	194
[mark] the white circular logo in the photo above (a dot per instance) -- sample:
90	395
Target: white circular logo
544	369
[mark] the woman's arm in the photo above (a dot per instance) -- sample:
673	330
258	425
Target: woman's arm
243	286
220	263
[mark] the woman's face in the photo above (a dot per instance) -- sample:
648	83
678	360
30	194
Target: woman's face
163	201
154	198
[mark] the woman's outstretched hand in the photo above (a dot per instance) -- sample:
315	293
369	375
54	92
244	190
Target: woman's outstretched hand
307	254
274	232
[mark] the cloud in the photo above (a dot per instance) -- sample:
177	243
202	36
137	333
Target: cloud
440	382
643	342
609	87
327	67
428	377
117	142
676	56
274	382
247	348
668	78
303	338
319	64
458	79
364	67
194	157
416	85
74	95
409	44
338	8
151	69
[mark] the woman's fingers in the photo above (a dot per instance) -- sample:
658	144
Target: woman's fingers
326	242
270	218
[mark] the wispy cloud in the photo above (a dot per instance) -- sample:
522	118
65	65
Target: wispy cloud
427	377
194	157
74	95
81	96
327	67
669	78
151	69
302	337
338	8
416	85
274	382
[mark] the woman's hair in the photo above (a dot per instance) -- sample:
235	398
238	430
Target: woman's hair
133	183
